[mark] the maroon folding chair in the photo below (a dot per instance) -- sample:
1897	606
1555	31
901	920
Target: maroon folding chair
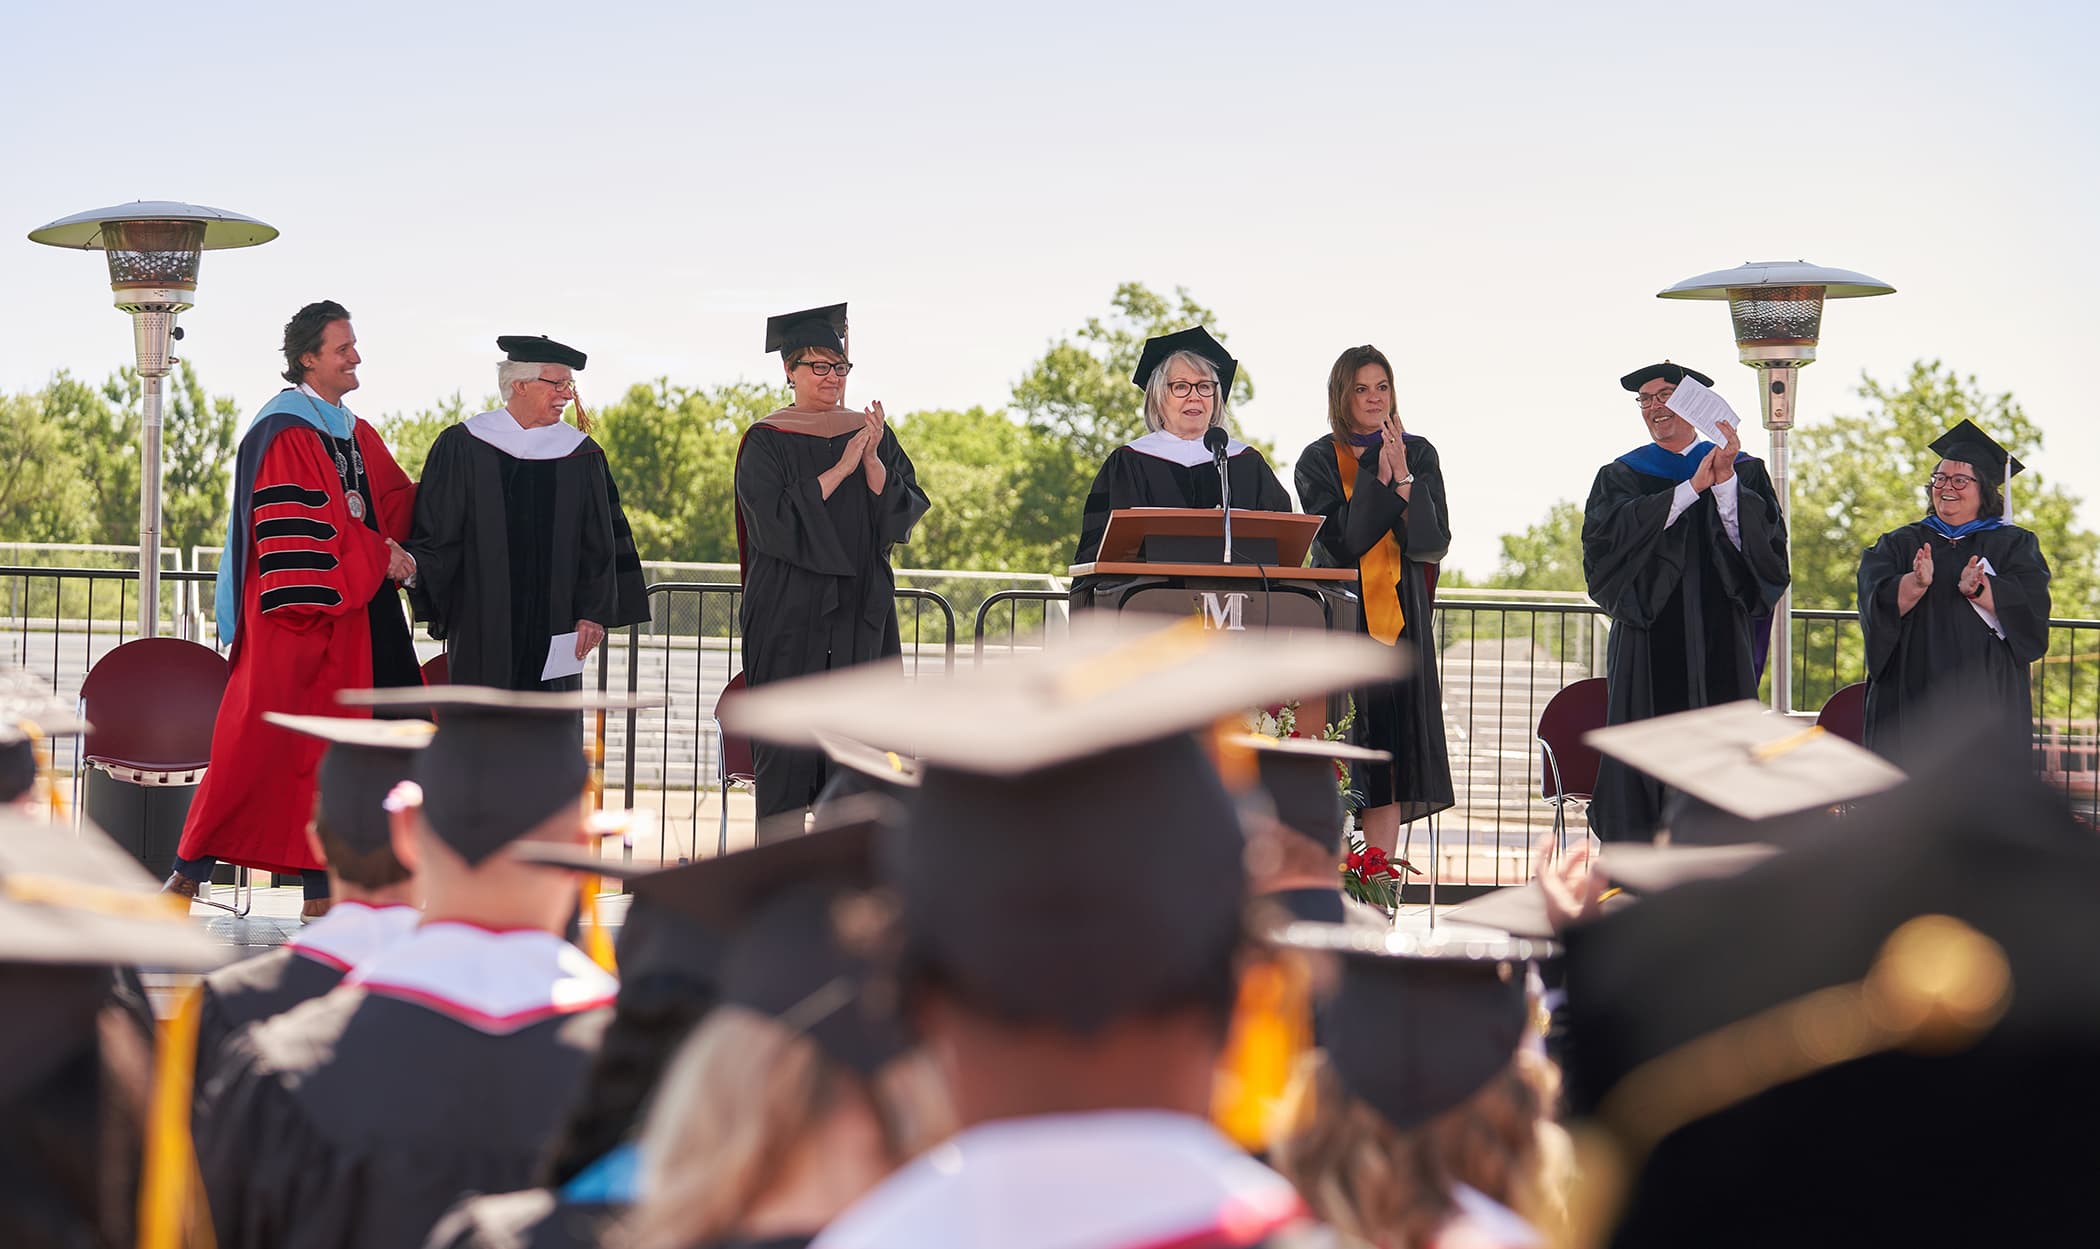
733	762
1845	713
437	670
152	702
1568	767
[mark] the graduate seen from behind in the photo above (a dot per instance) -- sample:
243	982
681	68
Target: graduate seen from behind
444	1064
1187	380
519	540
1684	547
822	494
1955	605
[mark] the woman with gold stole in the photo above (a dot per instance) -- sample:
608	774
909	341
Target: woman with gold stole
1380	491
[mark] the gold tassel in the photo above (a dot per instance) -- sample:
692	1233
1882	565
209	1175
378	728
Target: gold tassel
1271	1029
171	1187
583	418
597	941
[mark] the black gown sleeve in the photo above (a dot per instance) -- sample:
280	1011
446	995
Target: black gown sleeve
903	503
784	515
1269	494
1428	538
2020	590
1756	575
1351	525
437	541
1100	501
271	1180
1631	564
630	587
1880	568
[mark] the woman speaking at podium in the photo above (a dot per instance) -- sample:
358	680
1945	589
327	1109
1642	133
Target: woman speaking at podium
1186	377
1380	491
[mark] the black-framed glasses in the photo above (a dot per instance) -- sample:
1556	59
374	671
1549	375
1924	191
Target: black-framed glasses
1657	399
1181	390
1960	481
825	368
567	384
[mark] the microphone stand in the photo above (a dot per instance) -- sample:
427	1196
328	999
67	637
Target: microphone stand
1217	455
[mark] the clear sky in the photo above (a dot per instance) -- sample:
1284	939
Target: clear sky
1491	193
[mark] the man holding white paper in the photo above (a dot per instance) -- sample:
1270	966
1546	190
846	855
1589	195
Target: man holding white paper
1684	547
524	559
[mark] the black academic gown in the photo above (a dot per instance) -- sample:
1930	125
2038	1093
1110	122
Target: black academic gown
1130	478
254	989
1942	648
1405	717
536	1218
358	1119
511	552
818	590
1681	601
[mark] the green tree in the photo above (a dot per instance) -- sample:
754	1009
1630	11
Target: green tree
43	496
982	470
196	461
1546	556
1861	474
104	438
409	437
1080	389
672	450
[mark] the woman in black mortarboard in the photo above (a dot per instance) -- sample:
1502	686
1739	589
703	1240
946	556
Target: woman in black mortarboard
1187	379
1380	490
822	494
1955	606
1427	1118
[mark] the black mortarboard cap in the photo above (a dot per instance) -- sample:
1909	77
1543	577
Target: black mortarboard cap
365	759
1196	339
75	899
811	327
501	762
1666	371
539	349
858	768
1417	1027
1970	445
1114	881
28	710
1297	775
1829	1020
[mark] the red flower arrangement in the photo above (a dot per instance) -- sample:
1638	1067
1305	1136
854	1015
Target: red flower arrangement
1372	878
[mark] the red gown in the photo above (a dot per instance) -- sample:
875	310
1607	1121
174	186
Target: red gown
303	635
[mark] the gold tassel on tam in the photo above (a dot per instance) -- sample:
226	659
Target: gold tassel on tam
1271	1028
171	1188
583	418
597	942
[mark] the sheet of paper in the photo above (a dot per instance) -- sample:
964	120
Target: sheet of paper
561	657
1706	410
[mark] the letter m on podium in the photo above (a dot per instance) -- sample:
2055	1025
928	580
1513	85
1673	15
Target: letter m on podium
1224	615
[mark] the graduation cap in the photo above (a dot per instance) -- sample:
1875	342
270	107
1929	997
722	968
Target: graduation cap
1071	853
1970	445
1823	1024
365	759
1666	371
862	769
502	761
793	926
29	713
75	899
1297	775
1416	1027
812	327
1196	339
1747	761
539	349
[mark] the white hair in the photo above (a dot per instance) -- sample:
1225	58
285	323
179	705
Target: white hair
1156	390
510	372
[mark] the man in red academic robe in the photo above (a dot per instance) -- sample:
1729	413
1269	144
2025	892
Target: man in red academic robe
307	598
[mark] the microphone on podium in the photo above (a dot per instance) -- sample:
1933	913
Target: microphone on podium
1214	441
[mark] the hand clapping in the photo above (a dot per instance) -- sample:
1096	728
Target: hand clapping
1724	455
1971	583
1921	567
1392	452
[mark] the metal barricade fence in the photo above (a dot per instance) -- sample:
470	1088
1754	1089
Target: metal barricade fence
1499	662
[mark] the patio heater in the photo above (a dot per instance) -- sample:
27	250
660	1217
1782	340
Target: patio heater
153	248
1777	307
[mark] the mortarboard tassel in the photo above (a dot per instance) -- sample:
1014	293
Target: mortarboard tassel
583	418
1271	1028
597	942
171	1188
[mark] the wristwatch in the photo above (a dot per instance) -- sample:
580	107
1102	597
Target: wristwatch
1403	481
1981	584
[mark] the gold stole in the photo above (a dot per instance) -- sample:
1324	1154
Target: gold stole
1378	572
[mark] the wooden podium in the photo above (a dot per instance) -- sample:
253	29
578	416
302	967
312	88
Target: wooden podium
1170	560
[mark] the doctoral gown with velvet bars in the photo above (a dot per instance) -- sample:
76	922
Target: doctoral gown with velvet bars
356	1120
317	615
1943	650
1681	601
1405	717
1131	478
819	593
510	552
